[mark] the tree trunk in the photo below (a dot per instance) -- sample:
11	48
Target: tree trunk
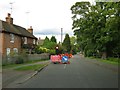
104	55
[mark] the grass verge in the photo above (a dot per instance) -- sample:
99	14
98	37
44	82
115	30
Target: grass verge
15	65
114	61
30	67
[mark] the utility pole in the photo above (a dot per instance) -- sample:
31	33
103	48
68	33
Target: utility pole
11	6
27	16
61	35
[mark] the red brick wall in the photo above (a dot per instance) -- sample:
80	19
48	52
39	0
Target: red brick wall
1	43
7	44
17	43
29	41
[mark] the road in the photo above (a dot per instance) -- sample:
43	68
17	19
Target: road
80	73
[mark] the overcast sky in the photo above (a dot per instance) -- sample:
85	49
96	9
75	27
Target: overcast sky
47	17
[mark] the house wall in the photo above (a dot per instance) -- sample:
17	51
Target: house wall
1	39
7	44
29	40
0	51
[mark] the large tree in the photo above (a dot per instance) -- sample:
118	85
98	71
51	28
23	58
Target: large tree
53	39
66	43
49	44
97	27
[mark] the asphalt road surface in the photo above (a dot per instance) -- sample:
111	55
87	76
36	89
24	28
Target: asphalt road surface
80	73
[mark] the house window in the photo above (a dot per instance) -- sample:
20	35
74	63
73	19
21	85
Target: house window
8	51
33	41
25	40
12	38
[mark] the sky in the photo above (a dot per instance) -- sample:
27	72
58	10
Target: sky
47	17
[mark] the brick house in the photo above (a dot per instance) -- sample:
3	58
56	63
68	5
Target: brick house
15	38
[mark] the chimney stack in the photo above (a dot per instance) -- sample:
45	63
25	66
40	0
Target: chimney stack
30	30
9	19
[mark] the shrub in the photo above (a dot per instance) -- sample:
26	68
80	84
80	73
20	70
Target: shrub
19	60
114	59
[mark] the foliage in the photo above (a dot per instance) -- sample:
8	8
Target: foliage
73	40
74	45
67	44
97	27
53	39
19	60
49	44
47	47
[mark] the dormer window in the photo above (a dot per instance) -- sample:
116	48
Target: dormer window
12	38
25	40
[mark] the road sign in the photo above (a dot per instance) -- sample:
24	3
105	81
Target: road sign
65	59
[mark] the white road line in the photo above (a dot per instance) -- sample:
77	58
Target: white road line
64	66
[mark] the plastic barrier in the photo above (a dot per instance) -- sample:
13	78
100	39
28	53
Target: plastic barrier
55	58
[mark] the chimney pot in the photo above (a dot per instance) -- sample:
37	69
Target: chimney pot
30	30
30	27
9	14
9	19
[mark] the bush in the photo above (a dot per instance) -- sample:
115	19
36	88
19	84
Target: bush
114	59
19	60
51	52
88	53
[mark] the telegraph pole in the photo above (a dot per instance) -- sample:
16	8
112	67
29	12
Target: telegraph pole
11	6
27	16
61	35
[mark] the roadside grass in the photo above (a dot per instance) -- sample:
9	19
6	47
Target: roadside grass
30	67
34	61
15	65
114	61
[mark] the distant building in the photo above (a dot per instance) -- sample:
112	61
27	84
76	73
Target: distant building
14	38
40	41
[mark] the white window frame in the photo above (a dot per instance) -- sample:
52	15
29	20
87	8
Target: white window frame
25	40
12	38
8	51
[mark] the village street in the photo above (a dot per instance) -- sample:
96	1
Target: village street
80	73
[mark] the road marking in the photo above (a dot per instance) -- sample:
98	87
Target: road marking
64	66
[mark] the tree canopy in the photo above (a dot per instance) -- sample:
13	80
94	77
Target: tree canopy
53	39
97	27
66	43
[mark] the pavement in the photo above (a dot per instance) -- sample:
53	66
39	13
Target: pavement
13	77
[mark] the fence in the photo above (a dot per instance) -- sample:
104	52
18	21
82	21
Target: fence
25	58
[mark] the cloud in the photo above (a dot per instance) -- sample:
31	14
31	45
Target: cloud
51	31
48	32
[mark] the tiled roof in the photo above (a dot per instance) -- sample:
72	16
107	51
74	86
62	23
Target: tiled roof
12	28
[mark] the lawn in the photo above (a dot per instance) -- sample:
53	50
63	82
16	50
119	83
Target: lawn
114	61
15	65
30	67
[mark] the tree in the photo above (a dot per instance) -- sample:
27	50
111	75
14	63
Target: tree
66	43
53	39
73	40
46	41
49	44
97	27
47	47
74	47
